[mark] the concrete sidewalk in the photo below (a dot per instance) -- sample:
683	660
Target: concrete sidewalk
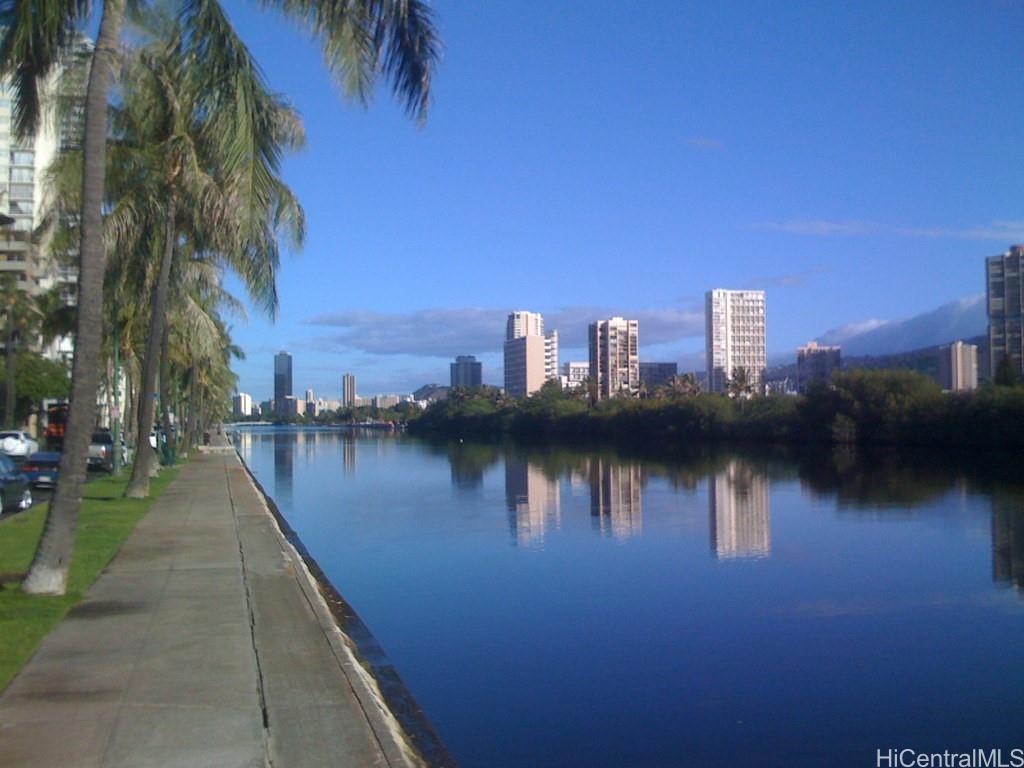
204	643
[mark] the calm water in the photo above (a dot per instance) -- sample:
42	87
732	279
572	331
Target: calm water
574	609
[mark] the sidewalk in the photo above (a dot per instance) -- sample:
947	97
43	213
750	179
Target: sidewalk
204	643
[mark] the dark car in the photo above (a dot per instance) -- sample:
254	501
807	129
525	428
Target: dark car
15	492
41	468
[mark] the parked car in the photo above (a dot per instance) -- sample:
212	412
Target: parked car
17	443
101	451
41	468
15	492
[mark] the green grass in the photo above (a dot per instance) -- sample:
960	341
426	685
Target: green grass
104	522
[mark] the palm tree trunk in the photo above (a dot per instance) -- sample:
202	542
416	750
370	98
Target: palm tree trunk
138	485
193	408
49	571
9	420
165	390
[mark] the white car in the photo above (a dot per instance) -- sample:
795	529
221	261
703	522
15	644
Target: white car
17	443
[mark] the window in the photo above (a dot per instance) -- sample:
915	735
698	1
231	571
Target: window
23	158
21	191
21	174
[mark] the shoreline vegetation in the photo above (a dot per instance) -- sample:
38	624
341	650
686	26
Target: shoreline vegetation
105	522
862	408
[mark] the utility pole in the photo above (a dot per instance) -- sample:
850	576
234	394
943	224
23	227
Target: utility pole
116	422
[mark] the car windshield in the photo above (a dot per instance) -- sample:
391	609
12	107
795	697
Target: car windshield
5	435
103	438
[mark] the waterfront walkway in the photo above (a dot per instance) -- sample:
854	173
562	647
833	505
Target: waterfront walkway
204	643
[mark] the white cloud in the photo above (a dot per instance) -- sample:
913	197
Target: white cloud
444	333
819	227
1008	231
1004	231
844	332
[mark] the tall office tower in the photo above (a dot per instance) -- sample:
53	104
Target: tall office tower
1005	279
735	336
816	363
466	372
282	381
348	390
531	358
739	510
615	356
654	375
958	367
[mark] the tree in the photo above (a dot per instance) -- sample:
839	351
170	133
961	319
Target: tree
739	385
20	317
361	39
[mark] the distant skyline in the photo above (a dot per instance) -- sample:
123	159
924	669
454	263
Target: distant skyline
857	162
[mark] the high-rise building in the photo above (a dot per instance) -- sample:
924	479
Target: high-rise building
523	323
466	372
35	262
654	375
348	390
531	357
615	356
282	381
815	362
241	405
958	367
735	336
1005	282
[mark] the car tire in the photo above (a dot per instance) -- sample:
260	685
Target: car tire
26	499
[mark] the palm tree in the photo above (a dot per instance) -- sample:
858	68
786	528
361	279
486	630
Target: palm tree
208	197
739	385
361	38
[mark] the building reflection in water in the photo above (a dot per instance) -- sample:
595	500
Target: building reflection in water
740	516
1008	538
348	452
284	448
533	501
616	497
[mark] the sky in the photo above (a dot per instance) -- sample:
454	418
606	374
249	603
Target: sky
857	161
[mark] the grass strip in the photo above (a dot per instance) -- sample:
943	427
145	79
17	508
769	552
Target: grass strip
104	522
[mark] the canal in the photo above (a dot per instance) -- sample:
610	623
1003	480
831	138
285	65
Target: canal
577	608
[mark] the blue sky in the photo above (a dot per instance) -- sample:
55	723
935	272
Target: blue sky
856	160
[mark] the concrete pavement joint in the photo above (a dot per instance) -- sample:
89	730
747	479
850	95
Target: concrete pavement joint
252	625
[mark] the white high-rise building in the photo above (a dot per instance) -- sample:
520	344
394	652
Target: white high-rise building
531	357
523	323
738	498
958	367
735	336
241	405
615	356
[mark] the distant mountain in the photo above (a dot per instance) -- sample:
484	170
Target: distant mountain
963	319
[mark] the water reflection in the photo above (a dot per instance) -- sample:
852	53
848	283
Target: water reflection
533	501
616	497
738	502
1008	538
284	446
348	453
468	462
